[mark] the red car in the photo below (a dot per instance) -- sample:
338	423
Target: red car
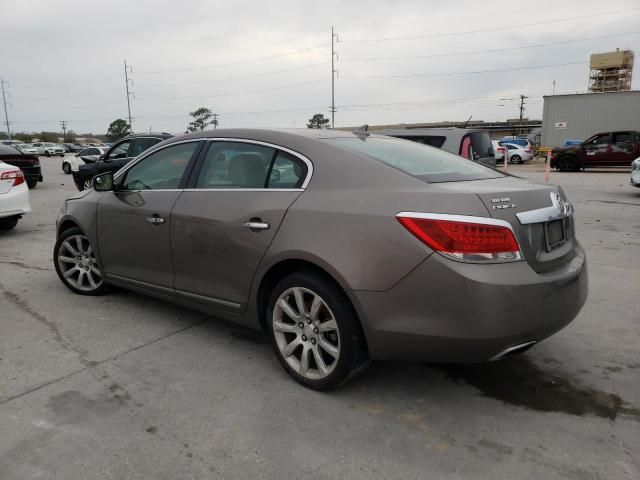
610	149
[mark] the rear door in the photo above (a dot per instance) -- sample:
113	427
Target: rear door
223	224
597	149
623	150
133	222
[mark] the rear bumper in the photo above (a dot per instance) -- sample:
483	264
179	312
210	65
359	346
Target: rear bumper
635	178
15	201
32	173
446	311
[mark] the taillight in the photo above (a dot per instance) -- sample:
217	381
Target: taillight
16	175
471	239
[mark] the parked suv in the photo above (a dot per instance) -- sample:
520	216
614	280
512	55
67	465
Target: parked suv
466	142
118	155
609	149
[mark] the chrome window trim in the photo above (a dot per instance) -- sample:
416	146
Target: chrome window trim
471	219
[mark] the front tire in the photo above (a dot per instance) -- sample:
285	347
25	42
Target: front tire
568	163
66	168
46	154
8	223
515	159
76	264
315	331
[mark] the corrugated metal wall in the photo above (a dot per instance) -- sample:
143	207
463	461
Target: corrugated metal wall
586	114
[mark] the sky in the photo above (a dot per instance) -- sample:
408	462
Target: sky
268	63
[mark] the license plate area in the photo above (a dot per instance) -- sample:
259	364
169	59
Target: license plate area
555	234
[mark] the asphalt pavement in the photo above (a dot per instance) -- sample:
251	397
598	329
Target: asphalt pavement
128	387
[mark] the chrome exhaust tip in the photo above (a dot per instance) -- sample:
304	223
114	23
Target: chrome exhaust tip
521	347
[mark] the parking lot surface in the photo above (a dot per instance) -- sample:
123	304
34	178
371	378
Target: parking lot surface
125	386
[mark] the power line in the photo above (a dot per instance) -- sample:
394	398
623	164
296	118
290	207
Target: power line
74	84
476	72
492	50
231	79
515	25
71	96
242	62
238	93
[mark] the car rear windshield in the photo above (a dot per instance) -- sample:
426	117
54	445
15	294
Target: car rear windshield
426	163
477	145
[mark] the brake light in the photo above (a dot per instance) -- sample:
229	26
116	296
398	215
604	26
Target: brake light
472	239
16	175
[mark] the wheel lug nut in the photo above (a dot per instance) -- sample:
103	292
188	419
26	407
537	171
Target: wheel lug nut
309	321
301	325
315	330
304	338
313	341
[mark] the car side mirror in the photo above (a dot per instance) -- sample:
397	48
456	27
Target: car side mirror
103	182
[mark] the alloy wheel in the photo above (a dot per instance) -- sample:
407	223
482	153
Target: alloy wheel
87	184
306	333
78	264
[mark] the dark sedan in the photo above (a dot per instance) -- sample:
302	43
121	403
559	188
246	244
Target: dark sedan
28	163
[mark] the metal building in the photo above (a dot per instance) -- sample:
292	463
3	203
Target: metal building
611	71
578	116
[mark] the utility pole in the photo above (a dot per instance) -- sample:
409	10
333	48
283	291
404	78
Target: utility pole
3	83
127	71
63	124
522	97
333	79
215	121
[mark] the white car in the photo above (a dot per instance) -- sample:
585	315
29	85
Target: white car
14	196
635	172
498	151
48	149
27	148
86	155
517	153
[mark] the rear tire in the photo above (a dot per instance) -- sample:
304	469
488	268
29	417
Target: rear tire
515	159
8	223
46	154
325	329
32	184
568	163
66	168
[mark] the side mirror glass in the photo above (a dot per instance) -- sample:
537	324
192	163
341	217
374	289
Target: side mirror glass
103	182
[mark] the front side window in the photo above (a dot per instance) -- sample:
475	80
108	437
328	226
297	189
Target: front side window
426	163
235	165
119	151
139	145
161	170
599	140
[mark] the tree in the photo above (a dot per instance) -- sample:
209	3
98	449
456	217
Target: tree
318	121
201	117
117	129
48	137
23	137
71	136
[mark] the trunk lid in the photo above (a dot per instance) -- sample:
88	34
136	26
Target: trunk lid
539	214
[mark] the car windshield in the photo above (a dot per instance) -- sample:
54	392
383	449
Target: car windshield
426	163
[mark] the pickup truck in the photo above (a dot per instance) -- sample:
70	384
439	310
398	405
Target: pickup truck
608	149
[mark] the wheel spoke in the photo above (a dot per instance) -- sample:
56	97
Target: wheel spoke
288	350
64	259
297	294
286	308
79	244
95	271
315	307
327	347
285	327
328	326
92	282
320	361
69	248
81	276
304	361
70	272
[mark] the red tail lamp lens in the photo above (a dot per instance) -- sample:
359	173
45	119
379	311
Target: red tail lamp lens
16	175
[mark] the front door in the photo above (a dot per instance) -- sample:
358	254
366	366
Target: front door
597	149
133	222
223	225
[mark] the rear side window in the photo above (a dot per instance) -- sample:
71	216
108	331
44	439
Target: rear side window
426	163
287	171
235	165
428	140
476	145
623	137
120	151
7	150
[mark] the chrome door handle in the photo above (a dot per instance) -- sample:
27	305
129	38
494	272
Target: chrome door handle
256	225
155	220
